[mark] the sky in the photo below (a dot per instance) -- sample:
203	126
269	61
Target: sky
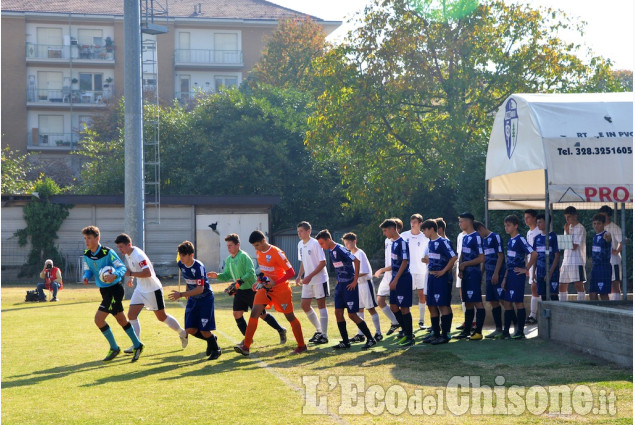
609	30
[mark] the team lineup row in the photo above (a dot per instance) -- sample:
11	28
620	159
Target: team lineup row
421	259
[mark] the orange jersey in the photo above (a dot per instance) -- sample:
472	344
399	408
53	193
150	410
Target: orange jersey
273	263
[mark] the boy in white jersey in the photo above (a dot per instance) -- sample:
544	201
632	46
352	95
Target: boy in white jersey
149	291
365	287
574	260
531	219
417	243
314	279
616	249
383	291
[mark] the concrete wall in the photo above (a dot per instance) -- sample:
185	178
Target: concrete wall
600	328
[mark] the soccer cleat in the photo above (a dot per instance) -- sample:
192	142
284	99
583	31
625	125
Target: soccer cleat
461	326
440	340
137	353
392	329
429	338
531	320
53	300
129	350
402	340
357	338
299	350
342	346
370	343
241	349
316	336
378	337
216	354
400	335
422	326
408	342
475	337
184	341
464	334
112	354
283	336
494	335
505	336
322	340
519	335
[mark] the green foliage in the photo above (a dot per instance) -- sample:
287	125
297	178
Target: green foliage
15	170
43	220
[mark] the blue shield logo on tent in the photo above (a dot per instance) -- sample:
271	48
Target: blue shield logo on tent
511	126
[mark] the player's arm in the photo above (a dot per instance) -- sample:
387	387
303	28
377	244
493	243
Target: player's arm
319	268
88	274
298	279
248	272
554	266
474	262
532	259
497	269
402	268
381	271
288	274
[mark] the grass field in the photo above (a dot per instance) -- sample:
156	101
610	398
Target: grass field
52	373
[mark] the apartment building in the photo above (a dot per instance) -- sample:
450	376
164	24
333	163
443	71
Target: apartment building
63	61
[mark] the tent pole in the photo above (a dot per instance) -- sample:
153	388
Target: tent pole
547	228
624	287
485	199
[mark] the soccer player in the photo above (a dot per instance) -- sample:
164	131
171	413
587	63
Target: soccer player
366	288
417	243
148	293
494	272
274	292
542	276
616	251
239	268
440	258
574	259
315	281
346	291
401	283
515	275
199	310
95	258
530	220
601	255
470	273
383	290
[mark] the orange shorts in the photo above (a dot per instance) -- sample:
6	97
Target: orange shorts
280	297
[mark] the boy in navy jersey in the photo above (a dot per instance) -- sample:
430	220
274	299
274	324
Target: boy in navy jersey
515	276
440	258
346	291
470	273
494	273
542	276
601	255
199	310
401	282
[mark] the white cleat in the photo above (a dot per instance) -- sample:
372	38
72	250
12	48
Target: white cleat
184	341
129	350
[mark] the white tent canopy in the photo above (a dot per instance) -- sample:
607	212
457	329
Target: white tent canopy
582	142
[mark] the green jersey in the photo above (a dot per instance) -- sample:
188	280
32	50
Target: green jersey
239	267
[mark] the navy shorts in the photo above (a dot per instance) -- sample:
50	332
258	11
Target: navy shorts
439	290
402	295
554	284
600	279
515	287
199	313
493	292
471	286
346	299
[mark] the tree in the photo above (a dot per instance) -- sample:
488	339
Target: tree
15	171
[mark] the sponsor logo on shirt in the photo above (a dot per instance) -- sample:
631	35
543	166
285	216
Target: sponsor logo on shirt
489	251
338	264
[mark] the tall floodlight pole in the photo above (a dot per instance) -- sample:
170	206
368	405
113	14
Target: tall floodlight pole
133	113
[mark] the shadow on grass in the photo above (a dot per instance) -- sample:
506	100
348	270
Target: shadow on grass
47	304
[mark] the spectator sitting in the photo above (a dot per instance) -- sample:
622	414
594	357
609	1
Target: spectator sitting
52	280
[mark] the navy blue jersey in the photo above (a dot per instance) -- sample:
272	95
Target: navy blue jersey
492	246
471	248
399	251
540	248
517	249
195	276
344	263
601	253
439	253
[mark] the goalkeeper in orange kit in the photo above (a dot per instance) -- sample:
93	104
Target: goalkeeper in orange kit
239	269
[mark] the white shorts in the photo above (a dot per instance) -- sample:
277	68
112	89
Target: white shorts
152	301
616	272
367	298
420	281
384	286
570	273
316	290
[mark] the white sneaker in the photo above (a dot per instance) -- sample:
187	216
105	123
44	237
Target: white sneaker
129	350
184	341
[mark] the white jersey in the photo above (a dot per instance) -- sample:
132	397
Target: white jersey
459	249
310	255
137	261
616	238
387	260
417	245
531	235
576	257
364	267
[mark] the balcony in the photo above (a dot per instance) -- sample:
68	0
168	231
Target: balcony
52	141
76	53
208	58
65	97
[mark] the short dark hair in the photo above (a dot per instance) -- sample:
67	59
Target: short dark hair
467	215
350	236
606	210
185	248
399	223
324	234
512	219
599	217
440	223
91	230
570	210
532	212
417	216
541	216
304	224
429	224
256	236
478	225
233	237
123	238
389	222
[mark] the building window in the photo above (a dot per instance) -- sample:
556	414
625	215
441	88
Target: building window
90	82
49	85
226	48
90	37
51	130
224	81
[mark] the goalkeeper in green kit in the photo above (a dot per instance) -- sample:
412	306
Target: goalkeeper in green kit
239	270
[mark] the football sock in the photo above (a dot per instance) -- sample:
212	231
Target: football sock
343	332
422	312
562	296
133	337
211	341
172	323
136	327
363	327
314	319
251	330
436	328
534	306
521	320
496	313
324	320
463	307
297	332
615	296
407	323
107	332
271	321
446	325
514	317
469	318
581	296
508	320
242	325
390	315
480	319
399	318
375	318
361	315
199	335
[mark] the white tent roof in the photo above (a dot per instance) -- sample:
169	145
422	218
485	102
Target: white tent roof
584	141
